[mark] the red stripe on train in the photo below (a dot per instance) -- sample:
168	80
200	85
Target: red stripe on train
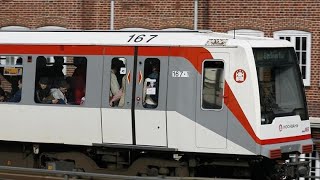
189	53
285	139
236	110
56	49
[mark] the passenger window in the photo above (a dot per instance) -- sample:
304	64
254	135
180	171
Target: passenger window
11	68
117	82
212	84
60	80
151	83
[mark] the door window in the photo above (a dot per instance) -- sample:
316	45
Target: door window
117	82
212	84
151	83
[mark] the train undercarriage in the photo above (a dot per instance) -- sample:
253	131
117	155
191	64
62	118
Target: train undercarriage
136	162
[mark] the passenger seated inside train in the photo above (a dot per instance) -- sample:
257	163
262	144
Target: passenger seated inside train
17	95
43	93
60	93
151	84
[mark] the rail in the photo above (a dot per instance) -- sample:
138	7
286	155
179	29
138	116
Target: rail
8	172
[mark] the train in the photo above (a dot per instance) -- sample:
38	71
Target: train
150	103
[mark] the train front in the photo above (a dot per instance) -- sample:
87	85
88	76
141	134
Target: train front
285	126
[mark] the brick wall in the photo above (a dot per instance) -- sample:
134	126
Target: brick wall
154	14
74	14
95	14
264	15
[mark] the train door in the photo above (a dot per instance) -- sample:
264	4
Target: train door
150	100
211	112
134	100
116	108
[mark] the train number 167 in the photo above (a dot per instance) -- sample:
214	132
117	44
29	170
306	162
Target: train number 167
141	37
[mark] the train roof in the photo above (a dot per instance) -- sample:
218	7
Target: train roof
135	38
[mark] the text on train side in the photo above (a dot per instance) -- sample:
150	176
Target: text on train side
141	37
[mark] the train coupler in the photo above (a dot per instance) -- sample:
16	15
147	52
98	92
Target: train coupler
296	169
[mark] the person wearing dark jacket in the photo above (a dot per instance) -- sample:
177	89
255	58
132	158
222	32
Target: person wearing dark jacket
17	96
43	94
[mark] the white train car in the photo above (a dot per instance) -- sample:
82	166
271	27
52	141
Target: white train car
150	103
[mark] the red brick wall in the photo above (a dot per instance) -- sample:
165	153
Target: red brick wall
154	14
264	15
95	14
74	14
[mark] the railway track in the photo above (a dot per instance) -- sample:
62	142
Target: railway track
17	173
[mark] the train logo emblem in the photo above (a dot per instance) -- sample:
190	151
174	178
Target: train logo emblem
240	75
287	127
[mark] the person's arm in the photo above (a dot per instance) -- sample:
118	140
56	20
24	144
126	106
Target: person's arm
55	94
116	97
58	97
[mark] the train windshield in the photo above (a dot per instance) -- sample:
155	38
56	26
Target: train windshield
280	84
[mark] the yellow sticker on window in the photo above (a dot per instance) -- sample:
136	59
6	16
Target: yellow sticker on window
12	71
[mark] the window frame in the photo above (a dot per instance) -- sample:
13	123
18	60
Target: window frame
16	56
201	91
50	57
293	34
